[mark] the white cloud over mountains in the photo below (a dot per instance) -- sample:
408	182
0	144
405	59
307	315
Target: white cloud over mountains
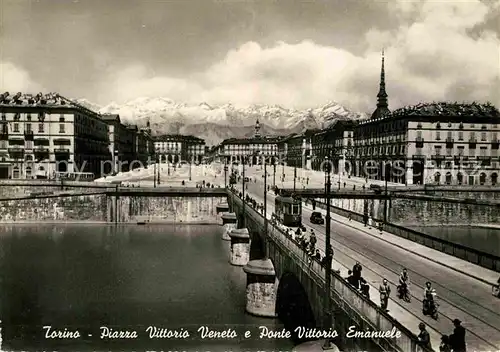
14	79
436	52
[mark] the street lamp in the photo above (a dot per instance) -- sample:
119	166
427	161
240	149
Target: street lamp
274	172
190	168
225	172
328	268
243	193
265	194
154	173
159	167
386	167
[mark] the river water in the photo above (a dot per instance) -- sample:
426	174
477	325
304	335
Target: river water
480	238
79	278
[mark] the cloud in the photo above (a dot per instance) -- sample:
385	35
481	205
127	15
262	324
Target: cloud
15	79
436	52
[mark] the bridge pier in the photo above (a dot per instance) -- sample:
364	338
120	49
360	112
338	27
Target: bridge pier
229	221
261	288
240	247
221	208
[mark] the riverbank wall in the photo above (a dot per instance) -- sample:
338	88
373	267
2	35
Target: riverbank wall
413	212
111	209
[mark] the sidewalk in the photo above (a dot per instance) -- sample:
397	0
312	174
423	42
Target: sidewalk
487	276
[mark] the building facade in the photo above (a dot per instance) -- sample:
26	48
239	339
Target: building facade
249	150
299	151
43	136
335	143
177	148
121	143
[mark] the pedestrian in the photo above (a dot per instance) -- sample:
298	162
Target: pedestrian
457	339
356	272
349	217
424	339
381	227
385	292
445	344
365	219
312	240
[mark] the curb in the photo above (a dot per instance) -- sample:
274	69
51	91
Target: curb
416	253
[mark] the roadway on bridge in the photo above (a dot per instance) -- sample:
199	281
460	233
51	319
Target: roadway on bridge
459	296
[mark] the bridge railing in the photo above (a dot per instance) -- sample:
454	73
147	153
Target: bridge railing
472	255
346	296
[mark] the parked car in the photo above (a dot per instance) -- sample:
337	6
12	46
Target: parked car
317	218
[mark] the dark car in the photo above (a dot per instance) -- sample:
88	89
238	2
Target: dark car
317	218
376	188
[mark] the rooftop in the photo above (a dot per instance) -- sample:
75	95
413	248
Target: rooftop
448	109
252	140
48	100
177	137
444	109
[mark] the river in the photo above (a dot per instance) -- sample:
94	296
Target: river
79	278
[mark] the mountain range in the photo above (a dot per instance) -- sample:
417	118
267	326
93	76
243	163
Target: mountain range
215	123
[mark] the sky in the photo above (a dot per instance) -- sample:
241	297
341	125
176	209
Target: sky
297	54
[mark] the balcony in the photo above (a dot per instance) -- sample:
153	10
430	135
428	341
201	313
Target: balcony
16	152
41	149
61	150
28	135
483	157
437	157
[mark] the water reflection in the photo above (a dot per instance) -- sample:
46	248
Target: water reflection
125	277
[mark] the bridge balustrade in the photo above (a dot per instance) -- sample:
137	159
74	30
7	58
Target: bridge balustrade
345	296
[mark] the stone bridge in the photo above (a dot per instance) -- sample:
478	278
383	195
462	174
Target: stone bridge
284	282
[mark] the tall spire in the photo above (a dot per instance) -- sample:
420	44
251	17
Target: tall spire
382	94
382	104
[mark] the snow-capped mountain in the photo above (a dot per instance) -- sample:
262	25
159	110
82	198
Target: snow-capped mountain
216	123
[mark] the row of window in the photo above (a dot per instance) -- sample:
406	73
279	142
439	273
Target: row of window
28	128
472	135
250	146
460	126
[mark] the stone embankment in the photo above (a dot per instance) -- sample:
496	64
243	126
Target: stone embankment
408	212
78	205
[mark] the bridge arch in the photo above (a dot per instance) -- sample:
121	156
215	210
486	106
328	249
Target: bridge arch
293	307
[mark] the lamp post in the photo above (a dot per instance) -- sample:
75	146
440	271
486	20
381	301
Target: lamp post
159	167
274	173
154	174
282	169
225	172
386	167
328	268
265	195
243	193
190	168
